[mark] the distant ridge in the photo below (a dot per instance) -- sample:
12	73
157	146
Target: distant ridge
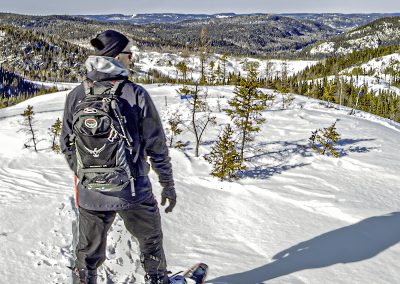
339	21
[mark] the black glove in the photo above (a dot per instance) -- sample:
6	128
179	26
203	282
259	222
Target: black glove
169	193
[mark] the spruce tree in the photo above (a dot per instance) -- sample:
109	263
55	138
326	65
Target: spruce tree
174	122
55	131
183	68
28	128
324	140
246	107
329	92
224	157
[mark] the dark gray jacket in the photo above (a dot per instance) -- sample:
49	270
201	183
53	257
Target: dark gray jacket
138	108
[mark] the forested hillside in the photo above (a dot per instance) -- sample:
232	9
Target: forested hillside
346	80
382	32
259	35
40	56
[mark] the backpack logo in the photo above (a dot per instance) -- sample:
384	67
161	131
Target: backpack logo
91	123
96	152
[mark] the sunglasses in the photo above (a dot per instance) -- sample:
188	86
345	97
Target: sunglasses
127	52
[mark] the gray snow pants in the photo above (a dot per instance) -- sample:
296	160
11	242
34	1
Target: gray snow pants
143	222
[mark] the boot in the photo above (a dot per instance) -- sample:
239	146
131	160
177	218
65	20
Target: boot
156	279
85	276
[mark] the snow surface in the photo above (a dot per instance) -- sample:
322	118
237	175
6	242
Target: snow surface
296	217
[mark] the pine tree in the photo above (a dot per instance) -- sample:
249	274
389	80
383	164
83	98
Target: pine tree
246	107
329	92
218	74
212	74
174	123
28	128
183	68
224	157
324	140
55	131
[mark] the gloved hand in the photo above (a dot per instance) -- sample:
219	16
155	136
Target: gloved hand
168	193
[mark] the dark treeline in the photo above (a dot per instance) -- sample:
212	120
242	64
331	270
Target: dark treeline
12	85
344	92
14	89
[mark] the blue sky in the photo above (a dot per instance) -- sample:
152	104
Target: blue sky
128	7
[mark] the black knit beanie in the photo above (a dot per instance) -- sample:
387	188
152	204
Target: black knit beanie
109	43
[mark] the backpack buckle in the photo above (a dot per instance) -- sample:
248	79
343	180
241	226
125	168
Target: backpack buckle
113	134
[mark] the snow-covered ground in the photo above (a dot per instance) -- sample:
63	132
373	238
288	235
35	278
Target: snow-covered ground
296	217
59	85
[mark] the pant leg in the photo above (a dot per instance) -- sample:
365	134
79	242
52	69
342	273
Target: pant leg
144	223
91	248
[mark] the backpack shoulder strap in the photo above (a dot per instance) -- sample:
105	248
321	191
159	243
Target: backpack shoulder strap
115	92
117	88
88	87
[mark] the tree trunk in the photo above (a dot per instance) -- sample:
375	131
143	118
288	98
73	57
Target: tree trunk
244	138
33	133
194	123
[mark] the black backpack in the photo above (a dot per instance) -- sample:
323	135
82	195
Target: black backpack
104	148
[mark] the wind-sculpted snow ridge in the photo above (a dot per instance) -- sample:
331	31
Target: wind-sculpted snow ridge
293	217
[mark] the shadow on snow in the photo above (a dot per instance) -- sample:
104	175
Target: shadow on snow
357	242
280	156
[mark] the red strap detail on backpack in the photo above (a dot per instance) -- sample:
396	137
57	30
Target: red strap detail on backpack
76	191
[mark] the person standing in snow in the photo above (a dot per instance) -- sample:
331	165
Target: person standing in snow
135	203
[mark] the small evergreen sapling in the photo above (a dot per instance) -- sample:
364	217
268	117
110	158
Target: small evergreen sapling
28	128
174	122
55	131
246	107
324	140
224	157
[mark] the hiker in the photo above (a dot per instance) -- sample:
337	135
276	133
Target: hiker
110	127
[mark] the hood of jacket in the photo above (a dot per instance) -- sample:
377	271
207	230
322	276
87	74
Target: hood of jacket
103	68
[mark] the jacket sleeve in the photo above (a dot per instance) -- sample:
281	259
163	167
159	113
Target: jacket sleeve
67	148
154	140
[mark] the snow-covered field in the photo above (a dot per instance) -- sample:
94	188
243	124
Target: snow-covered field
296	217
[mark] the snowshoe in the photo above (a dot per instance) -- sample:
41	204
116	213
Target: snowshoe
196	274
